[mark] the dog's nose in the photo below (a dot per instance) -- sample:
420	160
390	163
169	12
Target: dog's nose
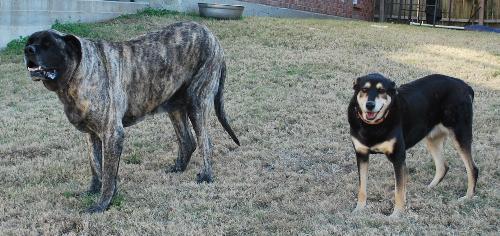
30	50
370	105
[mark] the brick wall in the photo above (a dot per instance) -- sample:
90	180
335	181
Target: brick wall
345	8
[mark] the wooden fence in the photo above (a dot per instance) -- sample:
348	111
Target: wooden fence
453	11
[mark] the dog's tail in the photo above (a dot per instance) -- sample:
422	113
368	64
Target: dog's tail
471	92
219	106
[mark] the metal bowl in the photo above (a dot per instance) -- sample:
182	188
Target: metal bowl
221	11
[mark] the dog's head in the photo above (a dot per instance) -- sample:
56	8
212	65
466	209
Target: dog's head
50	55
374	94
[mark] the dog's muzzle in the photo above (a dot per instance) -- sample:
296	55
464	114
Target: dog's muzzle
40	73
371	115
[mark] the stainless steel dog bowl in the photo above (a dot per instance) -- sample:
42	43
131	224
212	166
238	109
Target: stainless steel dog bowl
221	11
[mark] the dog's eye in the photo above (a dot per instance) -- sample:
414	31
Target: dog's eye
381	90
364	90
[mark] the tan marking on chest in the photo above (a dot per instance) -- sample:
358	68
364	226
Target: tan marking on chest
358	146
386	147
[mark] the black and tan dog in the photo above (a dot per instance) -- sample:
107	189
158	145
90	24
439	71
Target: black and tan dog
106	86
388	120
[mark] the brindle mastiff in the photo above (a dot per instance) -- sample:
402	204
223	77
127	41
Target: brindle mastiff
106	86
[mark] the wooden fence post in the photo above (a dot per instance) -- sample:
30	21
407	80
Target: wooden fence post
481	12
381	13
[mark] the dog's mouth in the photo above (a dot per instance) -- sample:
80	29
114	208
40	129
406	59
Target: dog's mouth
38	72
370	115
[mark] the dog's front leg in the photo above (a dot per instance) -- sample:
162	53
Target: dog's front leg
112	146
401	175
95	157
362	162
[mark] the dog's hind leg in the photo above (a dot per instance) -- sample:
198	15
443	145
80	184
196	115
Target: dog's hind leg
435	141
187	144
198	116
201	93
459	120
462	139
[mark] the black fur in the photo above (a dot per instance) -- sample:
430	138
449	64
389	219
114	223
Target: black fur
415	110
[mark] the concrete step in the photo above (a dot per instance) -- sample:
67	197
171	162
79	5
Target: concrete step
110	6
23	17
98	10
58	5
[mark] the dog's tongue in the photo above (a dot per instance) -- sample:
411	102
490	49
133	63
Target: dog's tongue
370	115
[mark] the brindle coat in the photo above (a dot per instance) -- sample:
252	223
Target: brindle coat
106	86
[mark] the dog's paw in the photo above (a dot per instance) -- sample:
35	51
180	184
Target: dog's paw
359	208
431	185
97	208
466	198
204	177
396	214
175	169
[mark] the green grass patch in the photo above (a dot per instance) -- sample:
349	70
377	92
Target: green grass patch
15	47
133	159
156	12
80	29
89	200
69	194
118	201
496	73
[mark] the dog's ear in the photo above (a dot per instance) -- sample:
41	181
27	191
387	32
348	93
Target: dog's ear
392	88
355	84
73	45
72	42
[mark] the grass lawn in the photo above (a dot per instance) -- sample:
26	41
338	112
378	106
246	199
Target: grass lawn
289	83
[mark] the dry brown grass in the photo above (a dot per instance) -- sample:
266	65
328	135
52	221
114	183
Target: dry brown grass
287	93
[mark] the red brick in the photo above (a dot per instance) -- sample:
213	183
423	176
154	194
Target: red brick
363	11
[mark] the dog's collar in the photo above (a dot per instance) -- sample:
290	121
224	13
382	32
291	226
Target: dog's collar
375	122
